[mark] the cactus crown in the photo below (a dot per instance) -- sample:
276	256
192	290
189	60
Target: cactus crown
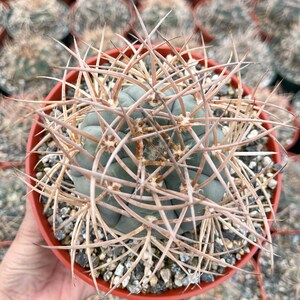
147	148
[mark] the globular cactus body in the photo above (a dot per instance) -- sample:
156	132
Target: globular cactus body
219	17
90	15
43	17
152	155
23	61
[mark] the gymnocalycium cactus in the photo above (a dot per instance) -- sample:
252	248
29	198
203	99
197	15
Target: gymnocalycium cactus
153	152
22	61
147	155
91	40
277	17
221	17
260	70
43	17
285	50
2	15
178	22
93	14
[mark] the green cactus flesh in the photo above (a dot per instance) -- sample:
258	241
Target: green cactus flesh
153	151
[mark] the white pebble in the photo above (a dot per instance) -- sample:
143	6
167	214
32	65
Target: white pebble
125	281
153	280
267	161
252	164
253	133
165	275
272	184
39	175
119	270
116	280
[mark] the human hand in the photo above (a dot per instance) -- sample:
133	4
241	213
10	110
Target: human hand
31	272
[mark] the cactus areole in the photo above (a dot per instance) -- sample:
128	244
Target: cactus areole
145	157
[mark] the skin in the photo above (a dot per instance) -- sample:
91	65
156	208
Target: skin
29	271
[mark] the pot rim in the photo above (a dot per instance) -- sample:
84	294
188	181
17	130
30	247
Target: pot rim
3	28
63	255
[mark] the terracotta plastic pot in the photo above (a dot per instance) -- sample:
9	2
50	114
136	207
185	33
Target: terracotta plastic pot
63	255
259	279
69	2
6	164
3	29
5	244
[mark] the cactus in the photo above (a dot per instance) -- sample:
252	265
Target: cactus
276	17
25	59
12	203
96	13
290	189
285	50
279	109
2	16
148	151
14	128
43	17
261	70
178	23
92	38
154	152
220	17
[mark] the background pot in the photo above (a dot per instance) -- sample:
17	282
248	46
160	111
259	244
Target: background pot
3	29
63	255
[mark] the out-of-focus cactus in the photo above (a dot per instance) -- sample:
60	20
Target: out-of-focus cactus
221	17
43	17
92	39
2	16
286	54
12	203
260	70
89	15
276	17
178	23
14	128
23	60
279	109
